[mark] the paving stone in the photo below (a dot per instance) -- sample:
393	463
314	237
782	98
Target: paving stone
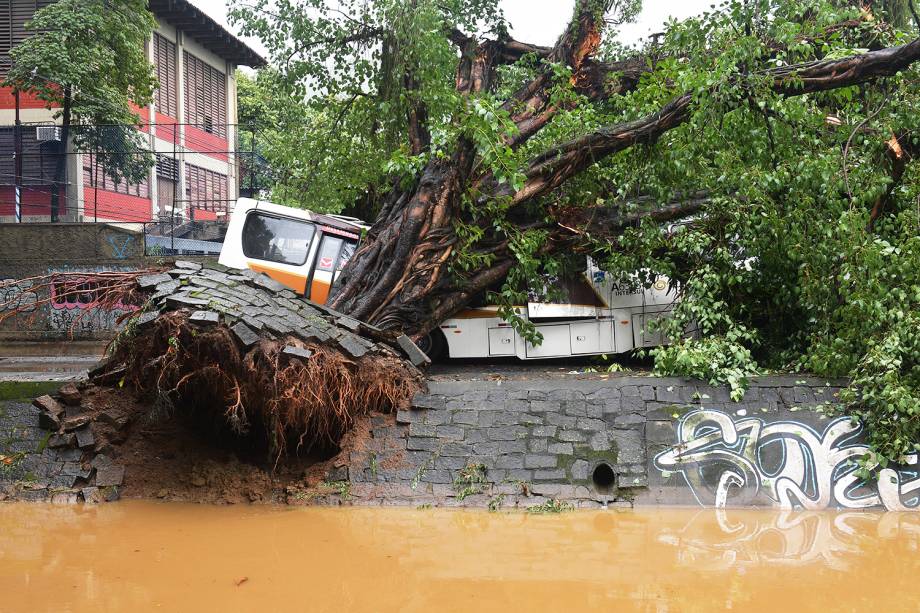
408	417
70	395
193	266
428	401
253	322
540	461
519	446
183	300
555	474
351	346
422	444
73	423
538	445
599	442
276	325
509	461
572	436
75	469
507	433
69	455
145	318
64	498
420	429
48	421
415	355
468	418
110	474
564	421
349	323
560	448
245	334
268	283
49	404
205	317
299	352
62	440
92	495
450	432
587	423
549	431
145	281
85	437
580	470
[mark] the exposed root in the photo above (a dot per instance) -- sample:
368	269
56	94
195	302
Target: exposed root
105	291
285	402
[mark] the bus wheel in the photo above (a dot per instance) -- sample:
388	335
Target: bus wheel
434	345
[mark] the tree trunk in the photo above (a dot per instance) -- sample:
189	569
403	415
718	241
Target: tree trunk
400	278
60	170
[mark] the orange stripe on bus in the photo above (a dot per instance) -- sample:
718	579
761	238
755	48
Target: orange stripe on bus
319	291
296	282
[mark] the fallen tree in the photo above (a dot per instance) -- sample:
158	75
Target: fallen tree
503	158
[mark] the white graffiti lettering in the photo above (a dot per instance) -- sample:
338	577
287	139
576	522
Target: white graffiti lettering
789	463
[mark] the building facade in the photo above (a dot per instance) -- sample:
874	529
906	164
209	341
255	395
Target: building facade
191	126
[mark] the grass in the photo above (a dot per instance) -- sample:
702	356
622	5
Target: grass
27	390
470	480
551	506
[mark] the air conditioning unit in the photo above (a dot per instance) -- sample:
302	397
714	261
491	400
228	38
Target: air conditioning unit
48	133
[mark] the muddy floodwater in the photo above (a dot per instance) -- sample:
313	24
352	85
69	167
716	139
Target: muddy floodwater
137	556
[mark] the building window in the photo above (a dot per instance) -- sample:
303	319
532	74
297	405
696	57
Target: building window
205	96
206	189
166	98
13	19
95	177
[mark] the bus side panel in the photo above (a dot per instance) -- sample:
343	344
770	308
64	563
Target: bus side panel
231	253
468	338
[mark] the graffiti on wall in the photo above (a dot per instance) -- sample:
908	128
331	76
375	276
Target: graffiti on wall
747	461
73	306
16	295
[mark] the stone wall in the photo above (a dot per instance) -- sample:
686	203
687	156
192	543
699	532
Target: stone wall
666	440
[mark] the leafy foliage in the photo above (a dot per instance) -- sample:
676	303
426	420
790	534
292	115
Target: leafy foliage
87	58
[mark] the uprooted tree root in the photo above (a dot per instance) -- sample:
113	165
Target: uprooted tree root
287	402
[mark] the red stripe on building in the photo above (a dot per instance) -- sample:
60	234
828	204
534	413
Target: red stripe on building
26	100
200	141
105	205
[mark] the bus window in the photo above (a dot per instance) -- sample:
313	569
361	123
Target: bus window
348	250
277	239
328	253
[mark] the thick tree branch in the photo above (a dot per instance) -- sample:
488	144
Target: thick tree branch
549	170
530	106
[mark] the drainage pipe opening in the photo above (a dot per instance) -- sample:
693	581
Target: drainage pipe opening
603	478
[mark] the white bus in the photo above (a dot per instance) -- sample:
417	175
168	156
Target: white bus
306	251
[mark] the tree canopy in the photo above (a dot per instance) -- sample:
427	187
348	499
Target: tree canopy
87	59
761	156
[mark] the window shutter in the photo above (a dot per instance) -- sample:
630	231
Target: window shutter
165	59
205	96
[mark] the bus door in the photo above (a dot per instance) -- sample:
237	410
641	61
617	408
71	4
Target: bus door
334	252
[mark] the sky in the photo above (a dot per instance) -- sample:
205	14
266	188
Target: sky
541	21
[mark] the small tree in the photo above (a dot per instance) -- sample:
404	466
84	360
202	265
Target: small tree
87	59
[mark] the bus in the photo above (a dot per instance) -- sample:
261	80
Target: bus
594	313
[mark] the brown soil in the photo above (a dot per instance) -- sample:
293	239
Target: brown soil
166	457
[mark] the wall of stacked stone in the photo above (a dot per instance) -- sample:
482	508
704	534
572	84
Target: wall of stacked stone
528	443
